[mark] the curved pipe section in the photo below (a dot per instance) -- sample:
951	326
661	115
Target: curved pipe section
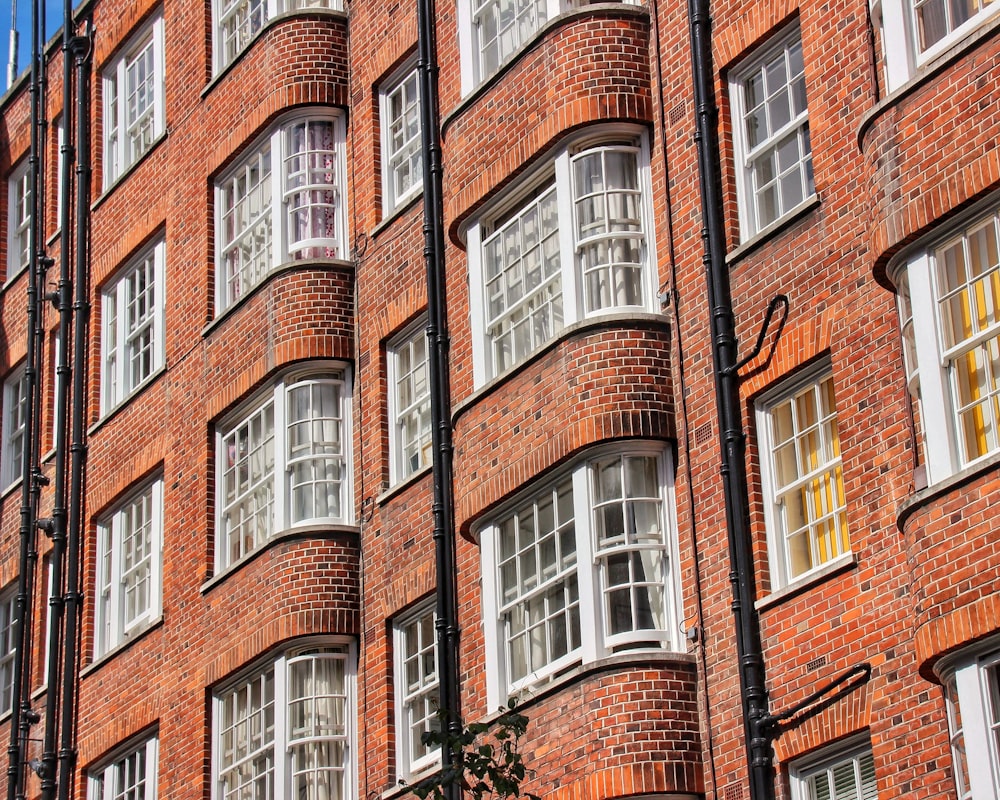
568	396
570	78
912	187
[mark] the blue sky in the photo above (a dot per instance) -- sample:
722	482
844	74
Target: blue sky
53	21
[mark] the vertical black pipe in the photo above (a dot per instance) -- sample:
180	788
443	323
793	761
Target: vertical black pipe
62	394
21	715
78	446
732	440
437	335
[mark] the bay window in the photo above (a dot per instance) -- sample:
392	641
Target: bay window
133	101
916	32
264	219
491	32
949	302
803	478
286	728
581	568
972	696
237	23
576	245
284	461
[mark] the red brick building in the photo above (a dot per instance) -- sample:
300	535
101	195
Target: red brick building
257	571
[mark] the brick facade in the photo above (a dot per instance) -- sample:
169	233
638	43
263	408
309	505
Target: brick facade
915	596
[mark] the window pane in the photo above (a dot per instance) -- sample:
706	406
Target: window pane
523	285
316	449
538	590
808	484
311	197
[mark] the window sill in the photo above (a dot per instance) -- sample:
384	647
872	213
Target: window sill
404	483
330	264
922	497
479	89
13	277
400	789
397	211
640	318
809	580
9	489
125	402
217	77
927	71
311	531
110	188
772	230
122	646
530	695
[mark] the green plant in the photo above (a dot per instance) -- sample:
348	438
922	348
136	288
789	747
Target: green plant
486	762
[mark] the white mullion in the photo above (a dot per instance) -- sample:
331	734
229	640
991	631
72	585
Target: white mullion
159	306
572	282
115	610
152	768
279	182
156	551
280	743
282	475
159	66
941	450
588	588
493	630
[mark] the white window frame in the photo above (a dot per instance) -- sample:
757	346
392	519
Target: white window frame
856	755
415	705
590	562
8	647
557	300
140	514
972	697
262	471
104	780
402	153
126	140
274	675
748	156
133	328
932	362
826	478
259	198
19	219
901	37
242	21
409	405
15	420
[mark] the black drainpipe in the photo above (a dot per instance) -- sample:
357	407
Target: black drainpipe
438	345
22	715
56	527
756	718
78	447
